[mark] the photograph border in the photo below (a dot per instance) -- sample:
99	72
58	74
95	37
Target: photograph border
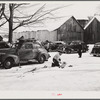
52	95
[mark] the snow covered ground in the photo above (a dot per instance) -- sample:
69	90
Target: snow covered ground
83	76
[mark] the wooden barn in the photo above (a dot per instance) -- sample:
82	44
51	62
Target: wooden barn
66	29
92	31
70	30
83	22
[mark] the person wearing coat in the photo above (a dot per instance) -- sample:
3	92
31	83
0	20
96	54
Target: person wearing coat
80	50
57	59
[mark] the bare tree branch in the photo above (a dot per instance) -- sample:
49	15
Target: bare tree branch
18	5
2	10
3	23
38	16
28	21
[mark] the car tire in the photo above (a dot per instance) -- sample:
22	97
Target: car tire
94	55
8	63
84	50
41	59
68	51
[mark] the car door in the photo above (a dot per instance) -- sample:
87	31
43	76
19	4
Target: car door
26	52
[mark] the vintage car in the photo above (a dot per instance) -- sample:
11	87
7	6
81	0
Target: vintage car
22	52
58	45
96	49
4	44
72	46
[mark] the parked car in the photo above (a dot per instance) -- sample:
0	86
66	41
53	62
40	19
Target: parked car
72	46
96	49
23	53
58	45
4	44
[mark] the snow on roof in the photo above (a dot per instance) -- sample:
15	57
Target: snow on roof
89	23
82	18
95	17
98	18
55	24
50	25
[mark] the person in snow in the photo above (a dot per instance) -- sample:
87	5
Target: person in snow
57	59
80	50
21	41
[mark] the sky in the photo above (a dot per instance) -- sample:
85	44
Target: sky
78	9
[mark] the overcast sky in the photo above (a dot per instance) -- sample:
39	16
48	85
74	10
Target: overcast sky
78	9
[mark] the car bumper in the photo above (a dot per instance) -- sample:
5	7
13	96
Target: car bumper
47	57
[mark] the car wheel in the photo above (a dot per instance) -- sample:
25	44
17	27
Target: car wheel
41	59
84	50
68	51
8	63
94	55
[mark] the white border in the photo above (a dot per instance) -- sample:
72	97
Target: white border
50	94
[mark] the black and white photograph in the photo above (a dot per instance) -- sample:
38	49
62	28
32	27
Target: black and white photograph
49	48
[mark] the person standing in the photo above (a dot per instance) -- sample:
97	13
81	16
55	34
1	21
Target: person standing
80	50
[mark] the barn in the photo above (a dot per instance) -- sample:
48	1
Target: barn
92	31
66	29
70	30
83	22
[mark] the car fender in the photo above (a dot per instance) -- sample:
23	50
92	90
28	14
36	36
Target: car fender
14	57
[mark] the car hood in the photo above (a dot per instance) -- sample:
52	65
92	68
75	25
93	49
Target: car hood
7	50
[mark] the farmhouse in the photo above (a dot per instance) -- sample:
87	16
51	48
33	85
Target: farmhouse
92	31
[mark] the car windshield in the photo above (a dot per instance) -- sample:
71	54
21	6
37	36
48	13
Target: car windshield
97	44
59	42
75	42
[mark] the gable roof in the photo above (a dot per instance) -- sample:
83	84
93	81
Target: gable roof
56	23
50	25
78	23
95	17
59	23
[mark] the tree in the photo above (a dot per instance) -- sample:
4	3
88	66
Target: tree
15	21
2	8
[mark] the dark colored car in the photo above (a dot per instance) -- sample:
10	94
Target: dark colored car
57	45
4	44
72	46
96	49
22	53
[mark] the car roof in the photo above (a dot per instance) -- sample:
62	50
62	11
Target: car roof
59	42
3	42
78	41
97	43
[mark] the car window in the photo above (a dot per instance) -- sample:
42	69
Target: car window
28	46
